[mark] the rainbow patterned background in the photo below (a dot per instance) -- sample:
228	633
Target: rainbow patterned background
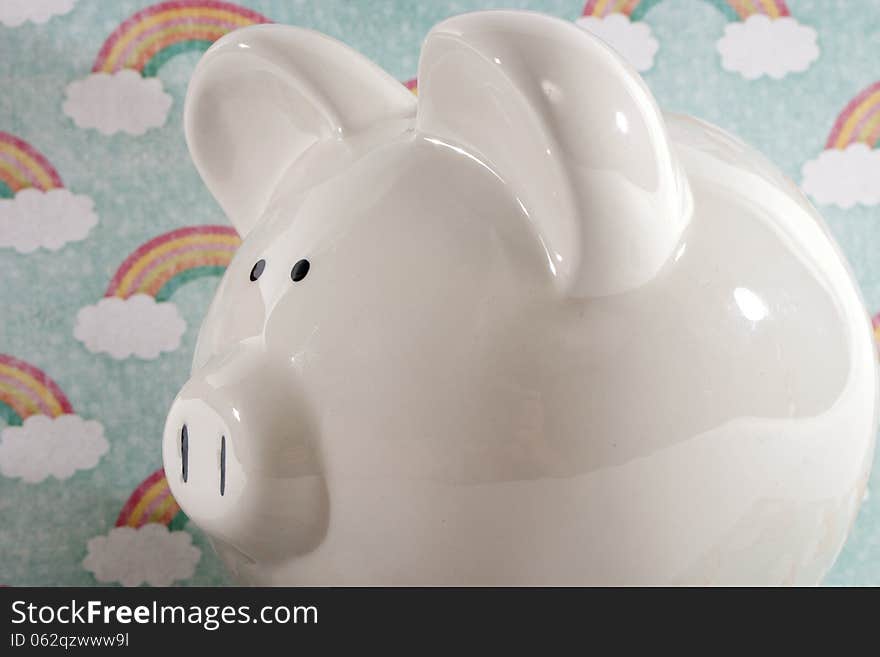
160	239
732	9
152	36
159	266
22	166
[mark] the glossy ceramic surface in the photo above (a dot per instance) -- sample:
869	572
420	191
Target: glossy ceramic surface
547	334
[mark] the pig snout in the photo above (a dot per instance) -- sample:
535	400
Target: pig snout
242	460
199	456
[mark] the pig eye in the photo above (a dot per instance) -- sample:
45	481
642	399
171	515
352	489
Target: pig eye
299	270
257	271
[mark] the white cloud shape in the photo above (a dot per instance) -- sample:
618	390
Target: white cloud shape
34	219
844	177
764	46
113	102
148	554
134	326
633	41
44	446
15	12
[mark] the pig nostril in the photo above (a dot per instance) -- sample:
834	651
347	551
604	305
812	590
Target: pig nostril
222	464
184	453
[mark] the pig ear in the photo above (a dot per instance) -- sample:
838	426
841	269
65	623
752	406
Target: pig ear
261	96
575	133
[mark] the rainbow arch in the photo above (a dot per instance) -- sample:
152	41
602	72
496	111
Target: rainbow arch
149	38
859	121
166	262
26	390
22	166
732	9
152	501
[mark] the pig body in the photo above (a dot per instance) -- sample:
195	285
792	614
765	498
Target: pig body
484	378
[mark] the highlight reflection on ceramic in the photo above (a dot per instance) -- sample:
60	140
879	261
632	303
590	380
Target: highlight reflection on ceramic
546	334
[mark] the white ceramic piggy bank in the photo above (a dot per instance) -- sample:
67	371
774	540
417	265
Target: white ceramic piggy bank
520	329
